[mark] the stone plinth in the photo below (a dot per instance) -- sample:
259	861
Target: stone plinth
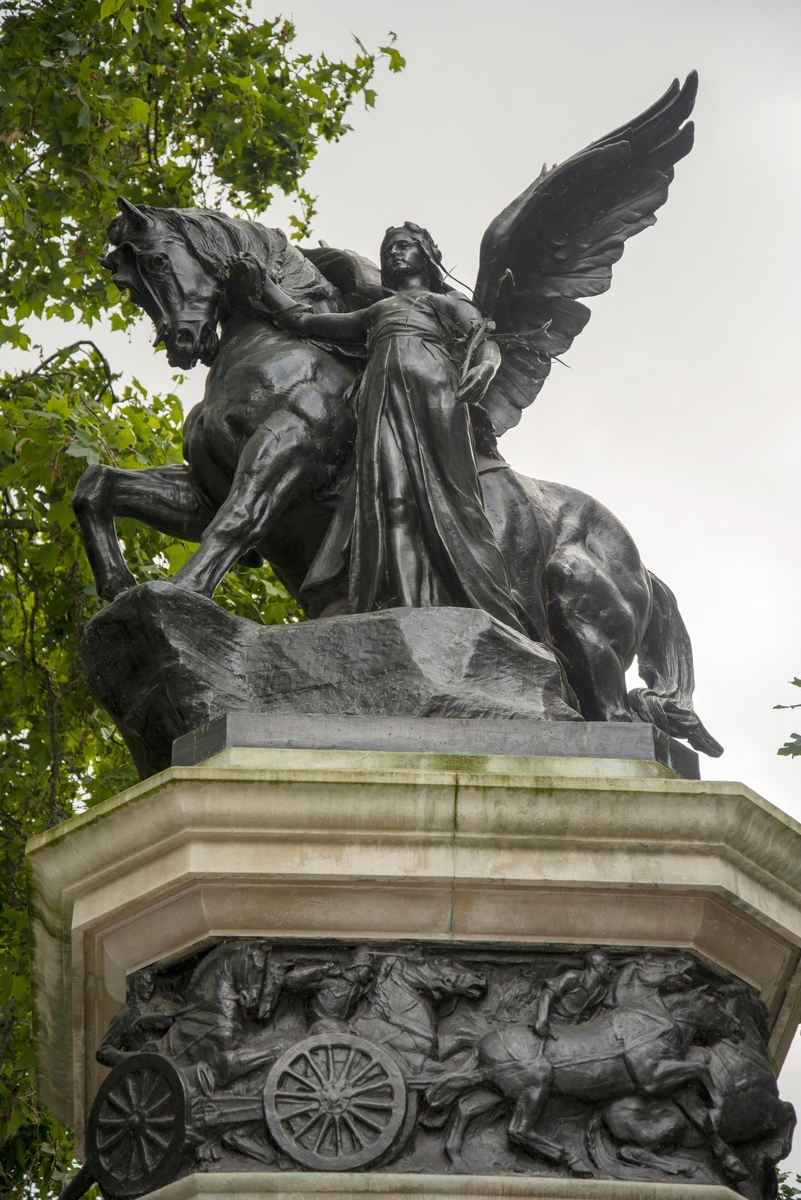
164	661
435	735
508	850
398	1187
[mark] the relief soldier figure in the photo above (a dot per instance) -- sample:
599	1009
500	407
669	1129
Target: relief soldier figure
576	995
333	991
323	1061
136	1022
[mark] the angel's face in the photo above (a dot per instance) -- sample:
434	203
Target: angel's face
404	257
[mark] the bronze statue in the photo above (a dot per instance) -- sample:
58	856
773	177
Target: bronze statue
417	507
417	530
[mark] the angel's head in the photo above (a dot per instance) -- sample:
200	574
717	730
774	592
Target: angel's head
409	249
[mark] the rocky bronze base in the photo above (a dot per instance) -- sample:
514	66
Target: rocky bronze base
279	1056
164	661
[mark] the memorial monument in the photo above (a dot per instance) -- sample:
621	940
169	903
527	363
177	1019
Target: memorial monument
415	897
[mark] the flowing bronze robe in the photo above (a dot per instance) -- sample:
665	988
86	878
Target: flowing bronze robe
406	403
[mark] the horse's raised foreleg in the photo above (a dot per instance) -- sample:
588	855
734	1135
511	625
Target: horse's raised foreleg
702	1118
280	465
662	1076
165	498
679	1078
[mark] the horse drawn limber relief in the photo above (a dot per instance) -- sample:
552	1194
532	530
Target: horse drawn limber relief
280	1056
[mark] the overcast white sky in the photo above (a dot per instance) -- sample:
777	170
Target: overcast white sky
680	412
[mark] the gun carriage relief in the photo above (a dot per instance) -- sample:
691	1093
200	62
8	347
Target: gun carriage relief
345	1058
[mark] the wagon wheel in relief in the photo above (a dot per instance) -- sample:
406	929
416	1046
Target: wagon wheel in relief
335	1102
136	1133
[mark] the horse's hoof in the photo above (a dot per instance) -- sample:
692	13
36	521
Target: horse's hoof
458	1163
577	1167
733	1167
116	587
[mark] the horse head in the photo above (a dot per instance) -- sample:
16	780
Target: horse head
442	979
174	262
651	974
705	1018
156	265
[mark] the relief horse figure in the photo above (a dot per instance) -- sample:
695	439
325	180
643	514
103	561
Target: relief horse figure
746	1112
226	989
400	1011
268	447
634	1050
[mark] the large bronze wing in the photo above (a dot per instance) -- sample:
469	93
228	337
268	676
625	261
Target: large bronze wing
561	238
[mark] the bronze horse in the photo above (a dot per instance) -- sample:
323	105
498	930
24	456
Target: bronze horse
400	1011
637	1050
747	1112
268	447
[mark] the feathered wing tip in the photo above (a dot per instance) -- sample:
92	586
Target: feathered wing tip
561	238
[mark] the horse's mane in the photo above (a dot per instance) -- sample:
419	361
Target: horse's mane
215	239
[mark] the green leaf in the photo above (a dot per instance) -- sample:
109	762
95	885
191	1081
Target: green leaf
138	110
793	747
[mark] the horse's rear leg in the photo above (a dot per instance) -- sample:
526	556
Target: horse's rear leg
165	498
280	465
702	1118
527	1110
467	1107
597	628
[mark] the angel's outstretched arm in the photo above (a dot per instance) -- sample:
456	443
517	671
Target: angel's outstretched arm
343	327
266	299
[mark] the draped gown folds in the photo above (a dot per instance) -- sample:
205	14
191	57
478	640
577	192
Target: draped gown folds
415	437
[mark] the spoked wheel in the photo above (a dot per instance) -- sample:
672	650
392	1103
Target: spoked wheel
335	1102
137	1127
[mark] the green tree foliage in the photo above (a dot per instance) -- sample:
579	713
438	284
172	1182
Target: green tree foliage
793	746
788	1190
170	103
165	102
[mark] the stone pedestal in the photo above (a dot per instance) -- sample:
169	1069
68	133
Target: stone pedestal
447	850
399	1187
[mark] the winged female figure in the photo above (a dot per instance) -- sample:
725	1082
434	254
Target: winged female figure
413	518
424	511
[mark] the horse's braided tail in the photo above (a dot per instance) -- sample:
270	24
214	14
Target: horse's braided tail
665	661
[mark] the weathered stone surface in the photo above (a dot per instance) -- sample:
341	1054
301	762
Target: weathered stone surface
325	1186
436	735
164	661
